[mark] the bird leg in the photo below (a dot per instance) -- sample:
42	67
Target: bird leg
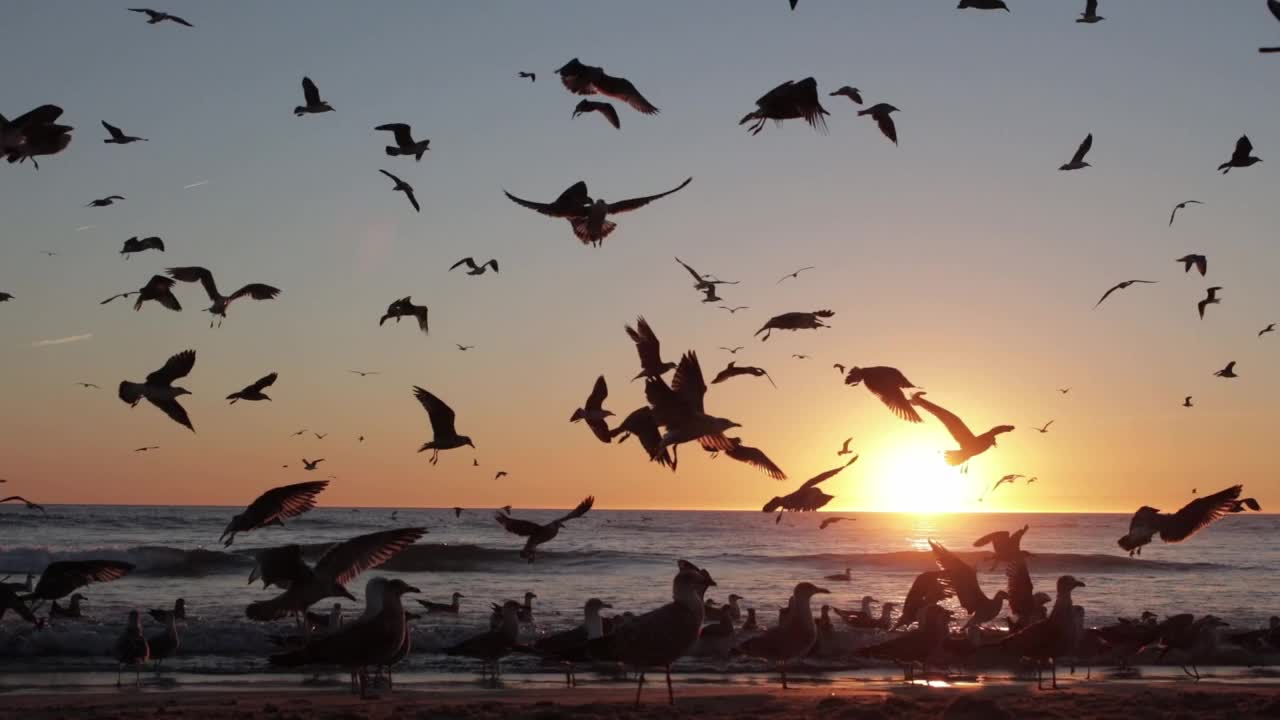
1053	669
782	668
119	672
435	456
639	685
671	694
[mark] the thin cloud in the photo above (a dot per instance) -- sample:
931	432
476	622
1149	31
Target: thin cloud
82	228
62	340
195	184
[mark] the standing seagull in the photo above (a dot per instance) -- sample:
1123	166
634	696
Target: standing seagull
794	321
604	108
118	137
791	100
134	245
254	391
1077	160
649	350
1181	206
1199	262
850	92
1267	329
593	412
155	17
104	202
442	427
1121	286
970	444
158	388
1210	298
132	649
1241	157
880	112
273	507
1227	372
474	269
158	288
405	144
404	187
311	94
539	534
794	637
1090	14
218	309
886	383
1147	522
589	80
404	307
589	218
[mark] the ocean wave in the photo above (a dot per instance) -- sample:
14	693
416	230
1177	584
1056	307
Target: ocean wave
919	561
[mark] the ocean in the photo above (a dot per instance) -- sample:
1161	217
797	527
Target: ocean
626	558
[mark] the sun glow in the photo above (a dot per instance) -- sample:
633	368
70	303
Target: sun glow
913	478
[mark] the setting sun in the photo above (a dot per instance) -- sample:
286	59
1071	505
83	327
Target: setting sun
914	478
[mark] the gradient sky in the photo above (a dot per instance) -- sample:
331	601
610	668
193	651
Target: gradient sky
962	257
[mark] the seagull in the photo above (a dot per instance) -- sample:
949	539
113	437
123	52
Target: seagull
1267	329
365	373
1199	262
640	423
148	448
850	92
1240	157
404	307
701	282
87	385
589	80
831	521
589	218
64	577
436	608
539	534
314	105
311	464
733	310
1180	206
104	202
794	637
1064	391
1187	402
798	356
1045	429
570	646
1006	546
963	579
533	77
679	407
500	474
1147	522
320	436
732	350
405	144
880	112
970	444
158	388
791	100
465	348
1090	14
474	269
1228	372
5	297
1077	160
983	5
887	384
794	321
1121	286
1210	298
733	370
649	350
131	649
135	245
254	392
303	431
491	646
593	412
795	274
807	497
404	187
273	507
30	505
255	291
1006	479
844	449
118	137
604	108
838	368
155	17
32	134
710	295
442	418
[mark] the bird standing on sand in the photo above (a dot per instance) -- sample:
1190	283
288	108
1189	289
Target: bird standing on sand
604	108
135	245
1077	161
132	649
794	637
794	321
254	392
255	291
1210	298
405	144
1054	637
1199	262
490	647
1181	206
963	579
539	534
1228	372
793	99
970	445
118	137
450	608
882	114
570	646
1147	522
1241	157
472	268
5	297
106	201
311	95
165	644
159	288
159	390
155	17
404	187
583	79
593	412
1090	14
444	436
273	507
733	370
404	307
1121	286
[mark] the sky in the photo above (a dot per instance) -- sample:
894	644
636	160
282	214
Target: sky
961	256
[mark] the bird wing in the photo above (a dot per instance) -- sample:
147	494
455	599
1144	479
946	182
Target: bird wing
1202	264
622	89
175	367
282	503
959	431
887	384
116	133
78	573
571	203
635	203
441	415
344	561
962	577
469	262
264	382
688	383
1197	514
990	538
257	291
310	92
523	528
1243	148
824	476
647	345
1274	7
196	274
1090	8
413	199
1021	601
43	115
885	122
179	20
402	133
280	566
174	410
599	392
754	457
395	179
696	277
580	510
611	114
1083	149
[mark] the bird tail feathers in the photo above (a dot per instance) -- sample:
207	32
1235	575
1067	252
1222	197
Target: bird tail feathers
955	457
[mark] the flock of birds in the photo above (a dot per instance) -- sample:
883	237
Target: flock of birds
674	413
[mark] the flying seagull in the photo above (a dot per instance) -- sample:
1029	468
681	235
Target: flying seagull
604	108
850	92
649	350
1180	206
983	5
465	348
1241	157
1147	522
320	436
593	412
1199	262
365	373
793	99
158	288
158	388
701	282
1227	372
887	384
311	464
731	350
587	217
311	94
533	77
881	113
1045	428
539	534
831	521
147	448
807	497
755	457
404	307
844	449
474	269
104	202
33	134
1090	14
1267	329
154	17
30	505
5	297
442	427
733	370
794	321
118	137
970	444
405	144
1210	298
733	310
273	507
710	295
1121	286
1187	402
404	187
255	291
795	274
254	392
64	577
1064	391
136	245
589	80
1077	161
87	385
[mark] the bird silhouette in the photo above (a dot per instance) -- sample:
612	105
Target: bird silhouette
882	114
405	144
844	449
794	321
1090	14
365	373
135	245
733	350
588	217
1210	298
583	79
159	390
273	507
795	274
701	282
1077	161
154	17
732	370
735	309
1241	157
970	445
1227	372
850	92
254	392
1121	286
311	96
807	497
1064	391
1187	402
465	348
593	412
1175	527
1199	262
87	385
1267	329
649	350
255	291
983	5
147	448
1180	206
500	474
320	436
831	521
311	464
533	77
887	384
539	534
106	201
604	108
29	505
445	437
404	307
474	269
118	137
404	187
1045	428
793	99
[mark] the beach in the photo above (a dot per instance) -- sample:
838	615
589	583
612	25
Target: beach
1203	701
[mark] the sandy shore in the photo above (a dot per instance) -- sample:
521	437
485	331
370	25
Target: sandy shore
1132	701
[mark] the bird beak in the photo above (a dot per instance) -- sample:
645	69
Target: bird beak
1079	584
821	591
606	605
411	589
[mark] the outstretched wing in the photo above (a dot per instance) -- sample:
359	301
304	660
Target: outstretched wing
635	203
175	367
1083	149
599	392
196	274
310	92
688	383
469	262
752	456
344	561
647	345
824	476
283	503
264	382
581	510
622	89
523	528
1197	514
175	411
78	573
117	133
402	133
257	291
1243	148
696	277
570	204
441	415
949	420
962	577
